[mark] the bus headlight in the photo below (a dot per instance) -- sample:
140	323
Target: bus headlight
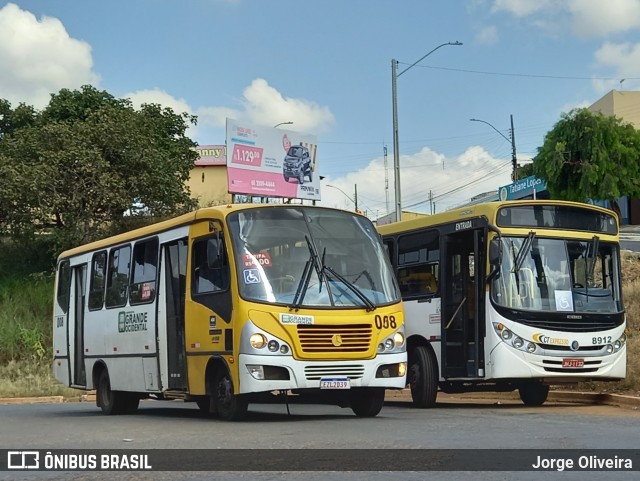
396	342
273	345
609	348
398	339
257	341
620	342
513	340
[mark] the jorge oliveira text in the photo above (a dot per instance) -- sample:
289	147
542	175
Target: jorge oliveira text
586	463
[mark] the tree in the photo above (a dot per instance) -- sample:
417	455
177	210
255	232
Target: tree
80	167
590	156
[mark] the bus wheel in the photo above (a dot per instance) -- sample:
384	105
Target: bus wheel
533	393
204	404
230	406
423	377
367	402
113	402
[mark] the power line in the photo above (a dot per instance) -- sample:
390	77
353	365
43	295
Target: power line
509	74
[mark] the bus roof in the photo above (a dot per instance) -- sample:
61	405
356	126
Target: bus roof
216	212
486	209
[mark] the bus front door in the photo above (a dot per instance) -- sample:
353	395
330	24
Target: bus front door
462	266
173	281
79	298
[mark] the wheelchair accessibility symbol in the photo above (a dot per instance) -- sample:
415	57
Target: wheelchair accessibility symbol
251	276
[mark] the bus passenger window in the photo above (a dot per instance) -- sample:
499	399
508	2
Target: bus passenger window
96	289
143	277
64	285
118	276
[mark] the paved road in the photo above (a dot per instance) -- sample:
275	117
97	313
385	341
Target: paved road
465	424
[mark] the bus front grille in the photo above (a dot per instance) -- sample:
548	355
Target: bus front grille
335	338
313	373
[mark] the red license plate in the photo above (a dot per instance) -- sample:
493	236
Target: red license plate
573	363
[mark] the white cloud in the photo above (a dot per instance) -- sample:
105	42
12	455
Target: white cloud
588	18
623	58
261	105
520	8
264	105
38	58
598	18
487	36
450	182
158	96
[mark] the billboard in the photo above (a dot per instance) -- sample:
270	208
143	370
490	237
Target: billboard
270	162
211	155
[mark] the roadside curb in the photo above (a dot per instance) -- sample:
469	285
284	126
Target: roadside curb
32	400
620	400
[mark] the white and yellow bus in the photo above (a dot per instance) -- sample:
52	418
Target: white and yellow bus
224	303
510	295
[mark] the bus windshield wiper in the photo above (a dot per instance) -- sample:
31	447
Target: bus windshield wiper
367	302
524	250
303	285
314	260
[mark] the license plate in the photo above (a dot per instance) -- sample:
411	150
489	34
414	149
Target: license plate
573	363
335	383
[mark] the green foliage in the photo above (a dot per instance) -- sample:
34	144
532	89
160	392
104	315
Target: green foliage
26	310
76	170
590	156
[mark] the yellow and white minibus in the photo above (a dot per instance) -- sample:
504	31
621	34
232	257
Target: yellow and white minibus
510	295
225	303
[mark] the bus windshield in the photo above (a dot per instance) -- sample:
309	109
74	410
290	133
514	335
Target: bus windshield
558	275
311	257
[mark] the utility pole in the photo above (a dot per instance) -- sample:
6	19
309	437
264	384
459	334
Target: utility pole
514	159
355	196
512	141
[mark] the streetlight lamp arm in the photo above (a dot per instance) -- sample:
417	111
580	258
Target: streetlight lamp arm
485	122
345	194
425	56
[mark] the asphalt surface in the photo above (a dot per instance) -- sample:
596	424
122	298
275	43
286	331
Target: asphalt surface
620	400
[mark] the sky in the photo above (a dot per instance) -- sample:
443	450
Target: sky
326	66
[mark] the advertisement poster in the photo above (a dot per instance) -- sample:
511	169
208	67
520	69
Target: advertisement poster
271	162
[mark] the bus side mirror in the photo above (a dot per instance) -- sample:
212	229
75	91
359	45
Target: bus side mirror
495	252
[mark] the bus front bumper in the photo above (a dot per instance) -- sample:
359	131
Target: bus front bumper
507	362
275	373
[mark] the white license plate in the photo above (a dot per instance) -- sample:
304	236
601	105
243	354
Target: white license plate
335	383
573	363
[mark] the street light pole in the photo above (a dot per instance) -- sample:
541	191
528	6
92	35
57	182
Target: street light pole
512	141
396	143
354	200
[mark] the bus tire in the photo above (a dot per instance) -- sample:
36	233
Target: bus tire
204	404
423	377
367	402
229	406
112	402
533	393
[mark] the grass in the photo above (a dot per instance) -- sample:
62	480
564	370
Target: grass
26	345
